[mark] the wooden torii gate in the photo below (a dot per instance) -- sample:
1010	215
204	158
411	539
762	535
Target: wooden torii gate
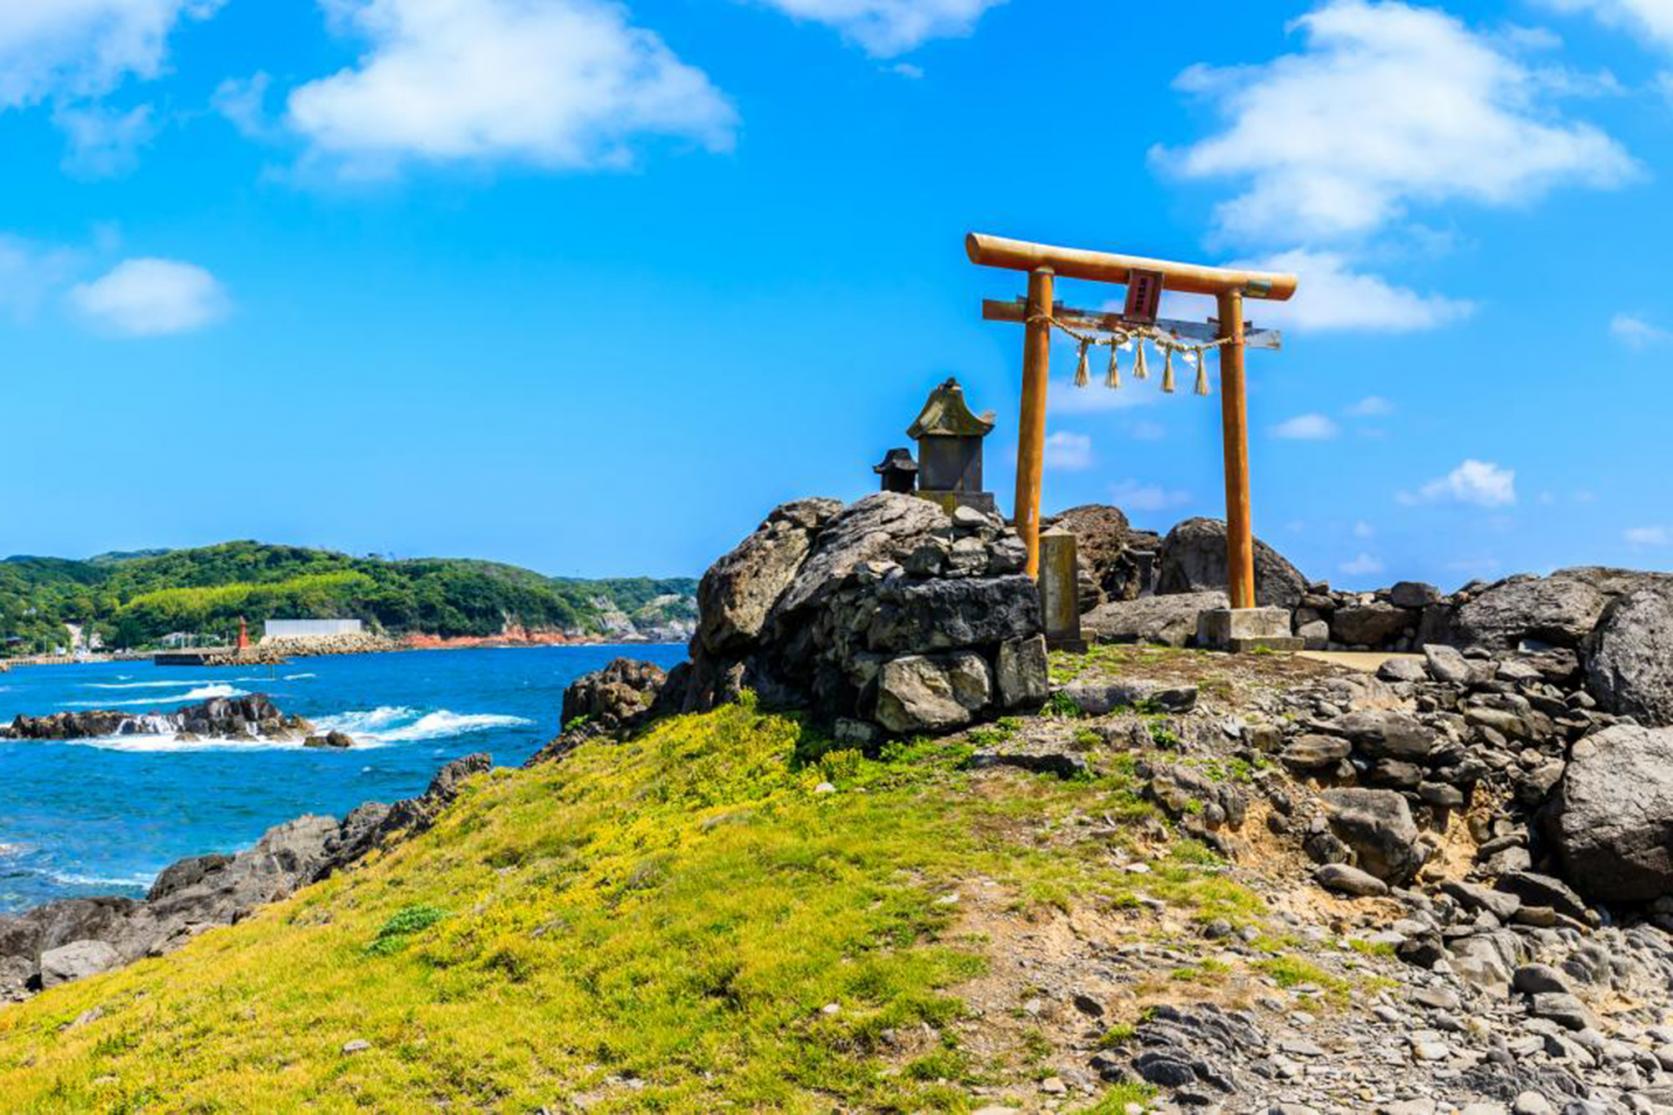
1145	279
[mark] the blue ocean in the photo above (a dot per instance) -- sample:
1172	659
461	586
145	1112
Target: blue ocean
103	816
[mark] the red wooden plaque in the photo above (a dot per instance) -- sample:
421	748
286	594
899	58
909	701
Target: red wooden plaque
1144	297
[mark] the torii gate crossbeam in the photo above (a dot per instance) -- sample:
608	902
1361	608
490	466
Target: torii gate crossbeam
1228	286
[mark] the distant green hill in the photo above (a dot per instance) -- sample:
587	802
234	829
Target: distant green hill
133	600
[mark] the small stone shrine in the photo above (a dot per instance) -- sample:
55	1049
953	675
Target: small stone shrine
949	441
899	472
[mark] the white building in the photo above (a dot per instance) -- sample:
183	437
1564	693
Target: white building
278	630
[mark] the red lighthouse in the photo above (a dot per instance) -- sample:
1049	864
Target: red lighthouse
243	636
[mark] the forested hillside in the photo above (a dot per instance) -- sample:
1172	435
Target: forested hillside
135	599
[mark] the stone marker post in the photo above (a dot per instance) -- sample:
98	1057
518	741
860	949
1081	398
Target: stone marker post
1060	590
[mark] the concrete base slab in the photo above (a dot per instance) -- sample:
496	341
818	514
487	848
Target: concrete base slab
1245	629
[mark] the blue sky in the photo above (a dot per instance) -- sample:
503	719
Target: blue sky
590	287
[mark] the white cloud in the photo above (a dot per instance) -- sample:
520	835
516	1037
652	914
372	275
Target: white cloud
1068	452
1649	536
1636	333
554	84
104	142
1479	483
1334	297
1130	495
1372	406
151	297
1387	107
1147	431
1649	17
1362	566
1363	529
885	28
1306	427
84	48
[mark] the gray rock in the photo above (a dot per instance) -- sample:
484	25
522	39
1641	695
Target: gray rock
1342	879
1403	670
917	693
1022	673
1386	734
1370	625
1315	634
921	617
1612	821
1102	698
1562	1008
1314	752
1629	659
1414	594
1447	665
1538	979
77	960
1478	898
1193	559
1165	620
1560	609
1378	826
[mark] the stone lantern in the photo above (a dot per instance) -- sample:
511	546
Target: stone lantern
949	441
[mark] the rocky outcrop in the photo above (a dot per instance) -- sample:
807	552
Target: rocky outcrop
886	616
1116	562
1613	818
1193	559
252	716
1629	656
70	939
1166	620
1559	610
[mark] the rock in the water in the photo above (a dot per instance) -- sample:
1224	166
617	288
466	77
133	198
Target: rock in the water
1613	817
1193	559
1629	659
252	716
1378	826
336	740
77	960
1560	610
1166	620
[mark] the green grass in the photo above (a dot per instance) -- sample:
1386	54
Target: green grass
676	911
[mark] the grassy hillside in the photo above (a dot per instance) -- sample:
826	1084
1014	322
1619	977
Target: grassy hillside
133	600
682	923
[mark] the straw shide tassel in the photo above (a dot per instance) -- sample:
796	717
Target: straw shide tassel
1202	371
1112	378
1141	369
1082	376
1167	369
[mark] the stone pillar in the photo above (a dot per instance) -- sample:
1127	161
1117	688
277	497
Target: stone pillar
1059	591
1247	629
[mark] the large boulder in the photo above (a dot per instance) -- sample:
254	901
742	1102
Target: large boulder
1371	625
1612	819
1193	559
883	617
1378	826
252	716
1629	657
77	960
738	592
1559	610
1106	545
1167	620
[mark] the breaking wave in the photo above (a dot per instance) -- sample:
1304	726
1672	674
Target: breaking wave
398	724
172	683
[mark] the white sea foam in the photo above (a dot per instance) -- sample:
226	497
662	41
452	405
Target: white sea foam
169	743
76	879
201	693
392	724
298	677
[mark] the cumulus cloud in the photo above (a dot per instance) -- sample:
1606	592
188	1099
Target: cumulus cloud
1653	18
885	28
1131	495
558	84
243	102
1636	333
1306	427
1387	107
103	142
151	298
84	48
1478	483
1335	297
1068	452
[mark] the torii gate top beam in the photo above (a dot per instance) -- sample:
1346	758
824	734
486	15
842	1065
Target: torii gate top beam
1106	267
